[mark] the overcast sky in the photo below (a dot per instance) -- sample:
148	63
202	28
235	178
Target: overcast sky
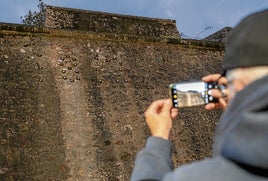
192	16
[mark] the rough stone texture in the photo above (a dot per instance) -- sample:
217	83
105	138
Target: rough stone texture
219	36
32	146
72	103
65	18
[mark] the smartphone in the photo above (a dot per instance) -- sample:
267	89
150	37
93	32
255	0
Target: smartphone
192	93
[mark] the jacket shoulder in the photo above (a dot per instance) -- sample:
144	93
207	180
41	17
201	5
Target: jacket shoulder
212	169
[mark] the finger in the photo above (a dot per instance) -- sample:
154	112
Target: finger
226	93
211	77
154	107
222	103
223	80
174	113
167	106
215	93
210	106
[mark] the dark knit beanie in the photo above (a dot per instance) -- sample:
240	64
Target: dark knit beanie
247	43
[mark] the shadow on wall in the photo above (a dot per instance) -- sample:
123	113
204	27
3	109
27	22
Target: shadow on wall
32	146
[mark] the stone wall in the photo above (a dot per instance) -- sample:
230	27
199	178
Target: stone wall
64	18
219	36
72	103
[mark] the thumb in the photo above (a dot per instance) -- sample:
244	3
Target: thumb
167	106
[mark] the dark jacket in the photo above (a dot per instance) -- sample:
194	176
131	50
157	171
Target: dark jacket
240	145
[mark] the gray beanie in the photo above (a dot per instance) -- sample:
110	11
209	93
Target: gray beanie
247	44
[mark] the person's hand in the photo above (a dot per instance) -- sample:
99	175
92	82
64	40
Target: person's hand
222	96
159	117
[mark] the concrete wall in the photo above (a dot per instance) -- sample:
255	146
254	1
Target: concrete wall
72	102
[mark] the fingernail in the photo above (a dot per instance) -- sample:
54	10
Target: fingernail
223	93
209	92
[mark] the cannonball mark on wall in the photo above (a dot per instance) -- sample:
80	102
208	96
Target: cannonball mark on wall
68	64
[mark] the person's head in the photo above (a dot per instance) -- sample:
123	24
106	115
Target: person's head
238	78
246	52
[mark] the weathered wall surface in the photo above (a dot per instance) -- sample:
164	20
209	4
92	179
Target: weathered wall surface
65	18
72	103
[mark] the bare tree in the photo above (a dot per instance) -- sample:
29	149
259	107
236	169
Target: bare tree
36	18
183	35
207	28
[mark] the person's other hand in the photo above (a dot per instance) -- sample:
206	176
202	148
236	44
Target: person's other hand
159	117
222	96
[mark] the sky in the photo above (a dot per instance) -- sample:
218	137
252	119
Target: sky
194	18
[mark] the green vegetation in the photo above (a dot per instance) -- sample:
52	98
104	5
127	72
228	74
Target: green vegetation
35	18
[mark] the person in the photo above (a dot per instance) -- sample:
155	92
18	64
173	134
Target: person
240	149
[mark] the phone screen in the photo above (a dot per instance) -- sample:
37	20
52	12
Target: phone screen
191	94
